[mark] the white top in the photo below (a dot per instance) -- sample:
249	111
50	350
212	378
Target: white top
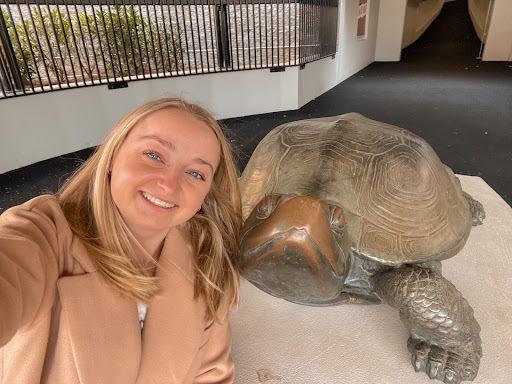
142	309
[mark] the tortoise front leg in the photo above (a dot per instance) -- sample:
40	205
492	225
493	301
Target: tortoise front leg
445	341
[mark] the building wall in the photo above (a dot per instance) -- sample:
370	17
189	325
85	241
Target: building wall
498	46
355	54
38	127
390	30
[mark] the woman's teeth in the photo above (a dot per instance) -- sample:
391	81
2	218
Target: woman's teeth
157	202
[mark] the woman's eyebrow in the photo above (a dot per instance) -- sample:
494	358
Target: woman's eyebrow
171	146
160	140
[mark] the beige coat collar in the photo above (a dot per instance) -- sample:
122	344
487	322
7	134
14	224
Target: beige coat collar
104	329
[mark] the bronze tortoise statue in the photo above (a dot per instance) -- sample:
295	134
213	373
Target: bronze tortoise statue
346	209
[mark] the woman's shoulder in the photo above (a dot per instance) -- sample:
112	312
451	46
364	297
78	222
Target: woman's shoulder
42	210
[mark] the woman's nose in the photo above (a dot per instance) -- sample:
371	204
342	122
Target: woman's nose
169	181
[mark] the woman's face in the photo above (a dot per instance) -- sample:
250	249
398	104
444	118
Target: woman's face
163	171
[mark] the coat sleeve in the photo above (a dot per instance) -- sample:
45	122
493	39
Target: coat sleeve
28	264
217	366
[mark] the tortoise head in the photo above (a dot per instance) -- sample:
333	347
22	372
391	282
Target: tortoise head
293	232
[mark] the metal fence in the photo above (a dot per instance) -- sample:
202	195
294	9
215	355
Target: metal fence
50	45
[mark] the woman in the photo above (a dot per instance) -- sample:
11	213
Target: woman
127	274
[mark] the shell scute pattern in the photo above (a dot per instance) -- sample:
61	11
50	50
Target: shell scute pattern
403	202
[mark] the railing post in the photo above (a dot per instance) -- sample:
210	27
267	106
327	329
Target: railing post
223	49
10	59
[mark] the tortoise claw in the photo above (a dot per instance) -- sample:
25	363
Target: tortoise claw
441	364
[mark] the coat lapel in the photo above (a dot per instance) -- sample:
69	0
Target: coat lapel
174	324
104	329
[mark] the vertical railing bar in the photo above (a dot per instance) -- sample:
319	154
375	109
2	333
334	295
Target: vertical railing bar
289	32
67	45
236	35
317	27
278	33
318	13
21	51
130	39
108	42
261	42
306	30
253	31
10	75
296	29
127	64
284	22
49	46
25	63
230	38
116	61
248	32
181	45
198	37
146	48
29	42
58	45
242	32
284	31
314	8
192	36
137	40
308	45
159	38
174	41
89	69
306	25
152	40
301	29
186	38
272	30
266	30
205	37
40	46
74	42
312	25
92	44
212	41
102	50
3	73
166	34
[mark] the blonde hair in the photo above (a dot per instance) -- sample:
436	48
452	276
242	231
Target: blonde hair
214	232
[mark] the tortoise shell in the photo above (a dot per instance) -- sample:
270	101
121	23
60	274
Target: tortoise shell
401	203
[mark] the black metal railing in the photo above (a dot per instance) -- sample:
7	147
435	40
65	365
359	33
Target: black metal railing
47	45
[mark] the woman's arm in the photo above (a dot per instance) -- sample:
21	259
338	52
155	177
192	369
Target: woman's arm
28	263
217	366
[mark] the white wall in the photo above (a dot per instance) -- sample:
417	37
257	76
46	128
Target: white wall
39	127
498	46
353	54
390	30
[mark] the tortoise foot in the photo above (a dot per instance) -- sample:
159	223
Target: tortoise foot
442	364
477	210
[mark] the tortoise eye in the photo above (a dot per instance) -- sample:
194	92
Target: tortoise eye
266	206
336	219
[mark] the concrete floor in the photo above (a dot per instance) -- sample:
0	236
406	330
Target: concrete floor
439	90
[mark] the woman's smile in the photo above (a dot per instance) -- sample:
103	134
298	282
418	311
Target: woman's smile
156	201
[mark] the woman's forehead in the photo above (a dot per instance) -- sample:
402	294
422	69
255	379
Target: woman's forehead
176	128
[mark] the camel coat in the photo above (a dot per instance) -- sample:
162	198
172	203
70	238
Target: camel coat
61	322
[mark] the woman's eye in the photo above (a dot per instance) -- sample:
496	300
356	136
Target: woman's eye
196	175
153	155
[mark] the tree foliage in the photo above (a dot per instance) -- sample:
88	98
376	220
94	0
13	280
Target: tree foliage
58	46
